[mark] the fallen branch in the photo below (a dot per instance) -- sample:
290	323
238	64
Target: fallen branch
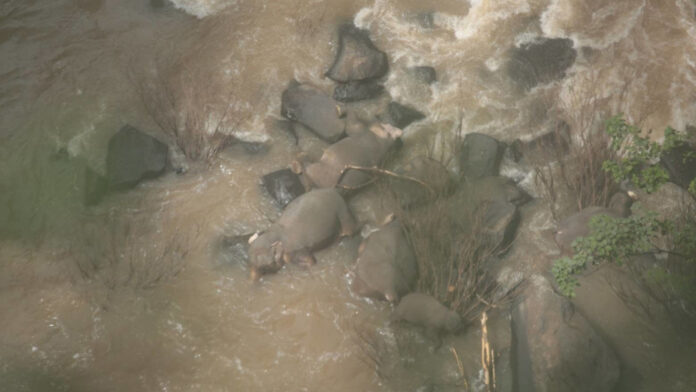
376	170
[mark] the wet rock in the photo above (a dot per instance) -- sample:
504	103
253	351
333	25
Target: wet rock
542	148
541	61
680	163
425	20
133	156
429	172
357	57
578	224
424	74
157	3
489	204
556	348
425	311
386	267
400	115
669	201
314	109
96	187
479	156
357	91
283	185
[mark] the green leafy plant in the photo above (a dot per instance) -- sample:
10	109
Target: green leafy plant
617	239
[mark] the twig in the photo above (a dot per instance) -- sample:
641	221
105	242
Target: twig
377	170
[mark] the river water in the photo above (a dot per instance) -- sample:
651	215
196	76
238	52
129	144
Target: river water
180	316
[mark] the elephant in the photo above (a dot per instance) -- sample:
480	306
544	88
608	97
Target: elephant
386	267
310	222
365	149
578	225
425	311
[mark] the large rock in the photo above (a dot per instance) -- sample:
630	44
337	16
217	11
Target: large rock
541	61
400	115
283	185
424	73
133	156
428	172
357	91
578	224
680	163
556	348
479	156
489	205
312	108
96	186
357	57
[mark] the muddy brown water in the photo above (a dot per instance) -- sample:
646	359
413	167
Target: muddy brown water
190	320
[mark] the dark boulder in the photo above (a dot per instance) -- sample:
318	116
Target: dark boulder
556	348
313	109
479	156
541	61
680	163
357	57
357	91
400	115
283	185
424	74
133	156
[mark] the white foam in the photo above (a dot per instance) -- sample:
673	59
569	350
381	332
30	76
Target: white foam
202	8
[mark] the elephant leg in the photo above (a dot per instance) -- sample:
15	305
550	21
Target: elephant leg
304	258
348	224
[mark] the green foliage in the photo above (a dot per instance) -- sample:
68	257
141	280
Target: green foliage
610	240
638	153
615	240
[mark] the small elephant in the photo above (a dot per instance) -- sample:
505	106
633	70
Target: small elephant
578	225
365	149
310	222
425	311
386	266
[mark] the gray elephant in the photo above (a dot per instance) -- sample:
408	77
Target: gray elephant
578	225
425	311
365	149
386	267
310	222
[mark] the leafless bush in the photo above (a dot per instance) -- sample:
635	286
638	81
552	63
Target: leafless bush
187	106
115	255
568	162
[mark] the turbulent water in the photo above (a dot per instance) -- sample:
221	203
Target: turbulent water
178	316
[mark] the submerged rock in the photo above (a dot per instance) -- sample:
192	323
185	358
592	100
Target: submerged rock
283	185
357	91
556	348
400	115
357	57
541	61
133	156
479	156
424	74
312	108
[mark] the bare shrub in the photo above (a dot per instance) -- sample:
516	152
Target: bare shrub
569	162
187	106
114	254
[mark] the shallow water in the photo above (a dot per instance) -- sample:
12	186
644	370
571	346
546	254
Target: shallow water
68	76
